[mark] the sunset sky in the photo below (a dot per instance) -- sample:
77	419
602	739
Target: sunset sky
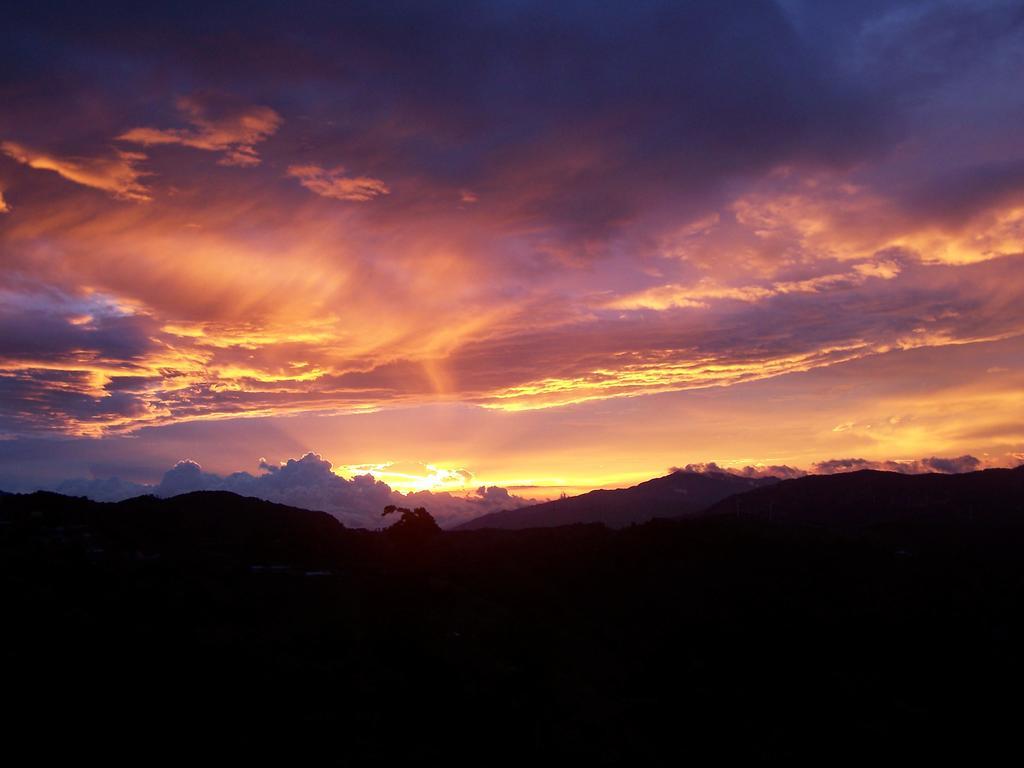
542	246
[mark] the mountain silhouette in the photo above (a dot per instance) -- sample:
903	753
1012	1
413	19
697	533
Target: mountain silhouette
678	494
868	498
215	525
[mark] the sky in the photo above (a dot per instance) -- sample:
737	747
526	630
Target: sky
528	246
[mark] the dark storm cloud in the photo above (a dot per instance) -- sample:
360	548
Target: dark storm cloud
58	356
916	45
579	116
954	197
45	334
602	108
35	400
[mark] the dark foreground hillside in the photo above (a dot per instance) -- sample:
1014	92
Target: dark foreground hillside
725	637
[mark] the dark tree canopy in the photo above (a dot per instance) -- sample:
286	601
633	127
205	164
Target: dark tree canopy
417	522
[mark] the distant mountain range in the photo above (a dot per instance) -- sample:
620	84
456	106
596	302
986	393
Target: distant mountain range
857	500
848	501
676	495
840	501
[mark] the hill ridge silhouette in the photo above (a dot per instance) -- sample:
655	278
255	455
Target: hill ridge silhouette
676	494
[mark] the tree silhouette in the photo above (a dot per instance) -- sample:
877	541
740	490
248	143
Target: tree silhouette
413	522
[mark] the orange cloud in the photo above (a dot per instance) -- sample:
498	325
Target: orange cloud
334	184
234	133
4	207
991	234
647	374
835	219
677	296
263	301
116	173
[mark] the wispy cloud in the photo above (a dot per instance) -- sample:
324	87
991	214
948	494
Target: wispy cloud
4	207
698	295
335	184
233	131
116	173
